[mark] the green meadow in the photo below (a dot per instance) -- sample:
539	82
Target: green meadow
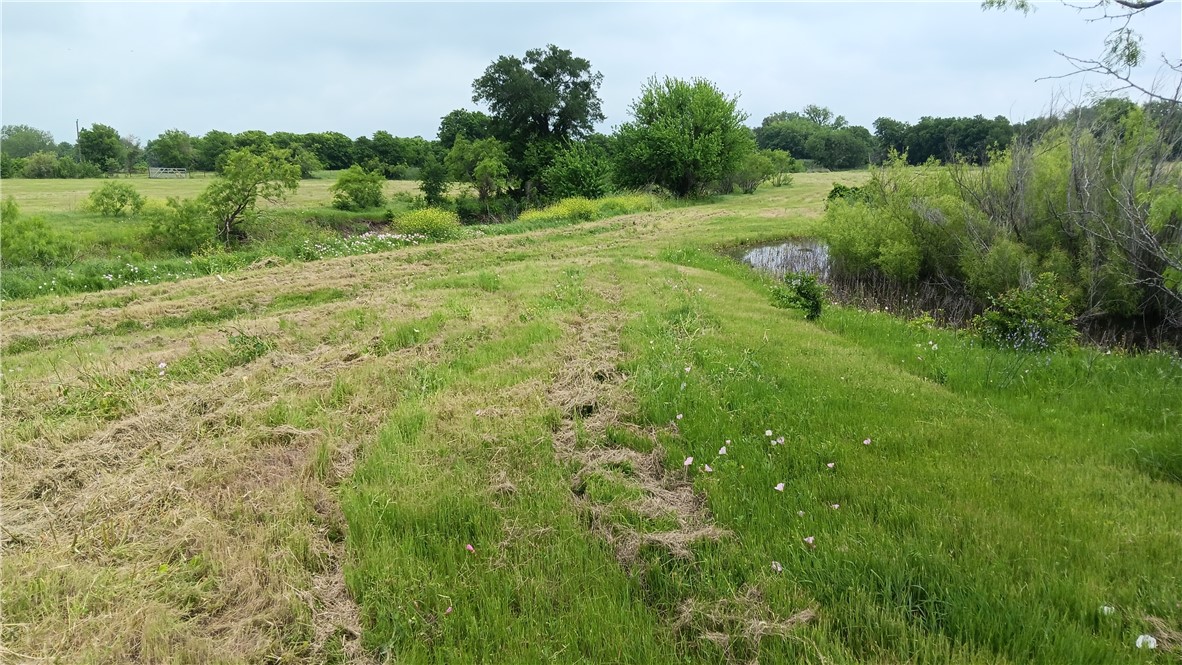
573	442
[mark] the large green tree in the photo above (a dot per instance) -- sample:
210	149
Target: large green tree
23	140
211	148
684	136
538	103
102	146
172	149
473	125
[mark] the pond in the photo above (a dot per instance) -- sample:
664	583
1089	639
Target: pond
943	302
947	303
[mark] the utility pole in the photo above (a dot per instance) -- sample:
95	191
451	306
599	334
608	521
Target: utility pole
77	144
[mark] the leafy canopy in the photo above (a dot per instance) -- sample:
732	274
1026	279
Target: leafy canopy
245	178
684	136
548	97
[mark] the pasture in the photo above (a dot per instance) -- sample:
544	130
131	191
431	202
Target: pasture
592	443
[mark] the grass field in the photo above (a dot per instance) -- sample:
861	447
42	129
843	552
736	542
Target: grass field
57	196
481	451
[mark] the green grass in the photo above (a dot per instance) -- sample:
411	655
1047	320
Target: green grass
510	393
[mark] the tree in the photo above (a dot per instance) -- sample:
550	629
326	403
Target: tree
474	125
547	98
891	135
210	149
333	149
481	163
1122	47
102	146
172	149
433	180
358	189
245	178
684	136
133	152
23	141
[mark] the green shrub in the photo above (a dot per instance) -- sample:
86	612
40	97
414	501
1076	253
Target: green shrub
752	172
578	171
113	199
40	165
29	240
845	193
358	189
182	225
800	291
434	223
1035	318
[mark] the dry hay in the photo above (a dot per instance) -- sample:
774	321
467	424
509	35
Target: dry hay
737	624
589	391
1168	639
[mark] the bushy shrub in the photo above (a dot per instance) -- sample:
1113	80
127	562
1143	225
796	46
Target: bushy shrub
801	291
434	223
844	192
755	168
578	171
1035	318
358	189
181	225
113	199
433	179
29	240
40	165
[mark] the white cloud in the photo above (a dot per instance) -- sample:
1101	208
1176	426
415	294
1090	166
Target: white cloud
357	68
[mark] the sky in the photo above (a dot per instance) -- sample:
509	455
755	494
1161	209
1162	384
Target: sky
357	68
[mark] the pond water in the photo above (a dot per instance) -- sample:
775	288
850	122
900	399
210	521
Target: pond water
811	256
872	292
946	303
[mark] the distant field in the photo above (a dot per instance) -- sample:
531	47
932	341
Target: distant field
65	195
598	443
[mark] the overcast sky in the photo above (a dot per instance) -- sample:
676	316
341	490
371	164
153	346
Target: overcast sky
357	68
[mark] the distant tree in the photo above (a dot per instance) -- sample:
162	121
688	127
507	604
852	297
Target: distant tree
255	140
40	165
786	131
358	189
333	149
245	178
172	149
23	140
891	135
481	163
684	135
102	146
363	150
433	180
546	99
474	125
818	114
210	149
133	154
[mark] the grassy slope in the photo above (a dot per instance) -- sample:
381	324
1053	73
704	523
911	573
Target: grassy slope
367	418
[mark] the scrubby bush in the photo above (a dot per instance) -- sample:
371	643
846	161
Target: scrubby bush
358	189
40	165
752	172
434	223
1035	318
801	291
181	225
29	240
113	199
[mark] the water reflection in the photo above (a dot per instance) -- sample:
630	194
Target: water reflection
809	256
